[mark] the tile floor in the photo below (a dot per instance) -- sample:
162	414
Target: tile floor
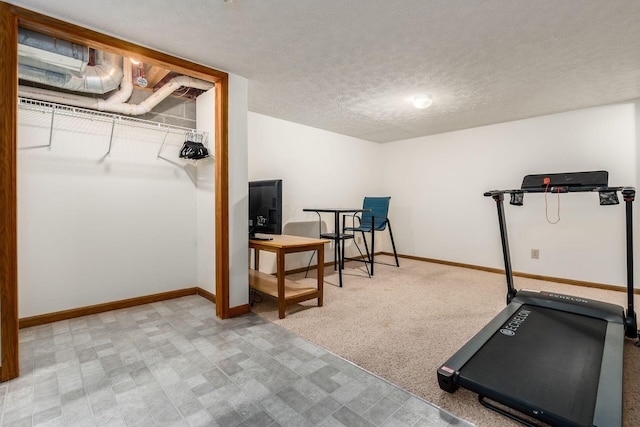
173	363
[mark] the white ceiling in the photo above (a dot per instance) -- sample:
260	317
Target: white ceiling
352	66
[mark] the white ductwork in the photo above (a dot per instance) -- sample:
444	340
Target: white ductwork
45	60
116	103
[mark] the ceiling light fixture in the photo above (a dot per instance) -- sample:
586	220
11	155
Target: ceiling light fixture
422	101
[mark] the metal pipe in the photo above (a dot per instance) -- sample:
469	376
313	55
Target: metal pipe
112	104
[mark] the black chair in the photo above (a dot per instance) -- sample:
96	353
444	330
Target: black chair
339	242
369	222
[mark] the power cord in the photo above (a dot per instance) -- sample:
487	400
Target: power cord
547	181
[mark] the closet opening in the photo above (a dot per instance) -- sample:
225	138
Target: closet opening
113	161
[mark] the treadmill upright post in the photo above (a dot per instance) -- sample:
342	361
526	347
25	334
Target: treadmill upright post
631	327
511	291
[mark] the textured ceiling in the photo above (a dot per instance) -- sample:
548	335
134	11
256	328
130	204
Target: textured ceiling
352	66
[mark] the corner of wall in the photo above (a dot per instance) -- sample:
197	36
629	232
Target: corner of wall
238	191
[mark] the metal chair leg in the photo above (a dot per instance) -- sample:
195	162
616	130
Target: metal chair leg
362	255
369	253
366	247
373	243
393	244
309	264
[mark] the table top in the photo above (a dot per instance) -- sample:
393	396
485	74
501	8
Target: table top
336	210
286	241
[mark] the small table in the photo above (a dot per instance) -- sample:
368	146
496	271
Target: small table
286	291
337	236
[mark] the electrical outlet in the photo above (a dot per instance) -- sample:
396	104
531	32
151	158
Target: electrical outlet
535	253
359	240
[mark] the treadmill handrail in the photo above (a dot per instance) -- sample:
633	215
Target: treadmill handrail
628	194
561	189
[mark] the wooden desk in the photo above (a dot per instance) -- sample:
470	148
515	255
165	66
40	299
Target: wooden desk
286	291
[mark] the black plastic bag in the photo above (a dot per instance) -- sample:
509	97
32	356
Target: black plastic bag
193	150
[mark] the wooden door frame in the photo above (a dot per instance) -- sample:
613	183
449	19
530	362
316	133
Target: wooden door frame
12	17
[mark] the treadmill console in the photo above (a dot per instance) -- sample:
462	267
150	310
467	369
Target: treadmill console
592	179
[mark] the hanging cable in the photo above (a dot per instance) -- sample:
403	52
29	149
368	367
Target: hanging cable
547	181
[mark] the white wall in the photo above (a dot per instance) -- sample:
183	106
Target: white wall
437	184
318	169
94	228
238	192
205	195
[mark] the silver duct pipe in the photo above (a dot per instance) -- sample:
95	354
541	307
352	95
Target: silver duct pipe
116	102
101	78
59	54
43	59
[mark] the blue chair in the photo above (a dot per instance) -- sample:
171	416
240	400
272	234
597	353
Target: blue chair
369	222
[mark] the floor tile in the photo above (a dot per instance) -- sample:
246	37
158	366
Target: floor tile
174	363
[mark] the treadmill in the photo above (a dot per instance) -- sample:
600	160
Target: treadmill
547	356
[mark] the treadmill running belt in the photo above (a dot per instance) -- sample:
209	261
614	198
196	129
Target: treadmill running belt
542	359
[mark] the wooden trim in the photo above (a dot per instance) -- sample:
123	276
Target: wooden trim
222	198
239	310
8	195
519	274
77	34
206	294
10	17
101	308
495	270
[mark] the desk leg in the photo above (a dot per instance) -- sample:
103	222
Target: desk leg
320	274
336	255
282	303
337	250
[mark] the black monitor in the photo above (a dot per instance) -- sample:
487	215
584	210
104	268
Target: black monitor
265	207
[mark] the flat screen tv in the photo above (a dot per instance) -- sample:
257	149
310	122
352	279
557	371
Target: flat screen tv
265	207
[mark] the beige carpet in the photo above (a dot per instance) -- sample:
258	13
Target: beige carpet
403	323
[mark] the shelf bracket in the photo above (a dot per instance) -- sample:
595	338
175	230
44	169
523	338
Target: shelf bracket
163	141
53	114
113	125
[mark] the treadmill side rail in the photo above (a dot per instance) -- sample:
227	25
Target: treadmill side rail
608	410
448	372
